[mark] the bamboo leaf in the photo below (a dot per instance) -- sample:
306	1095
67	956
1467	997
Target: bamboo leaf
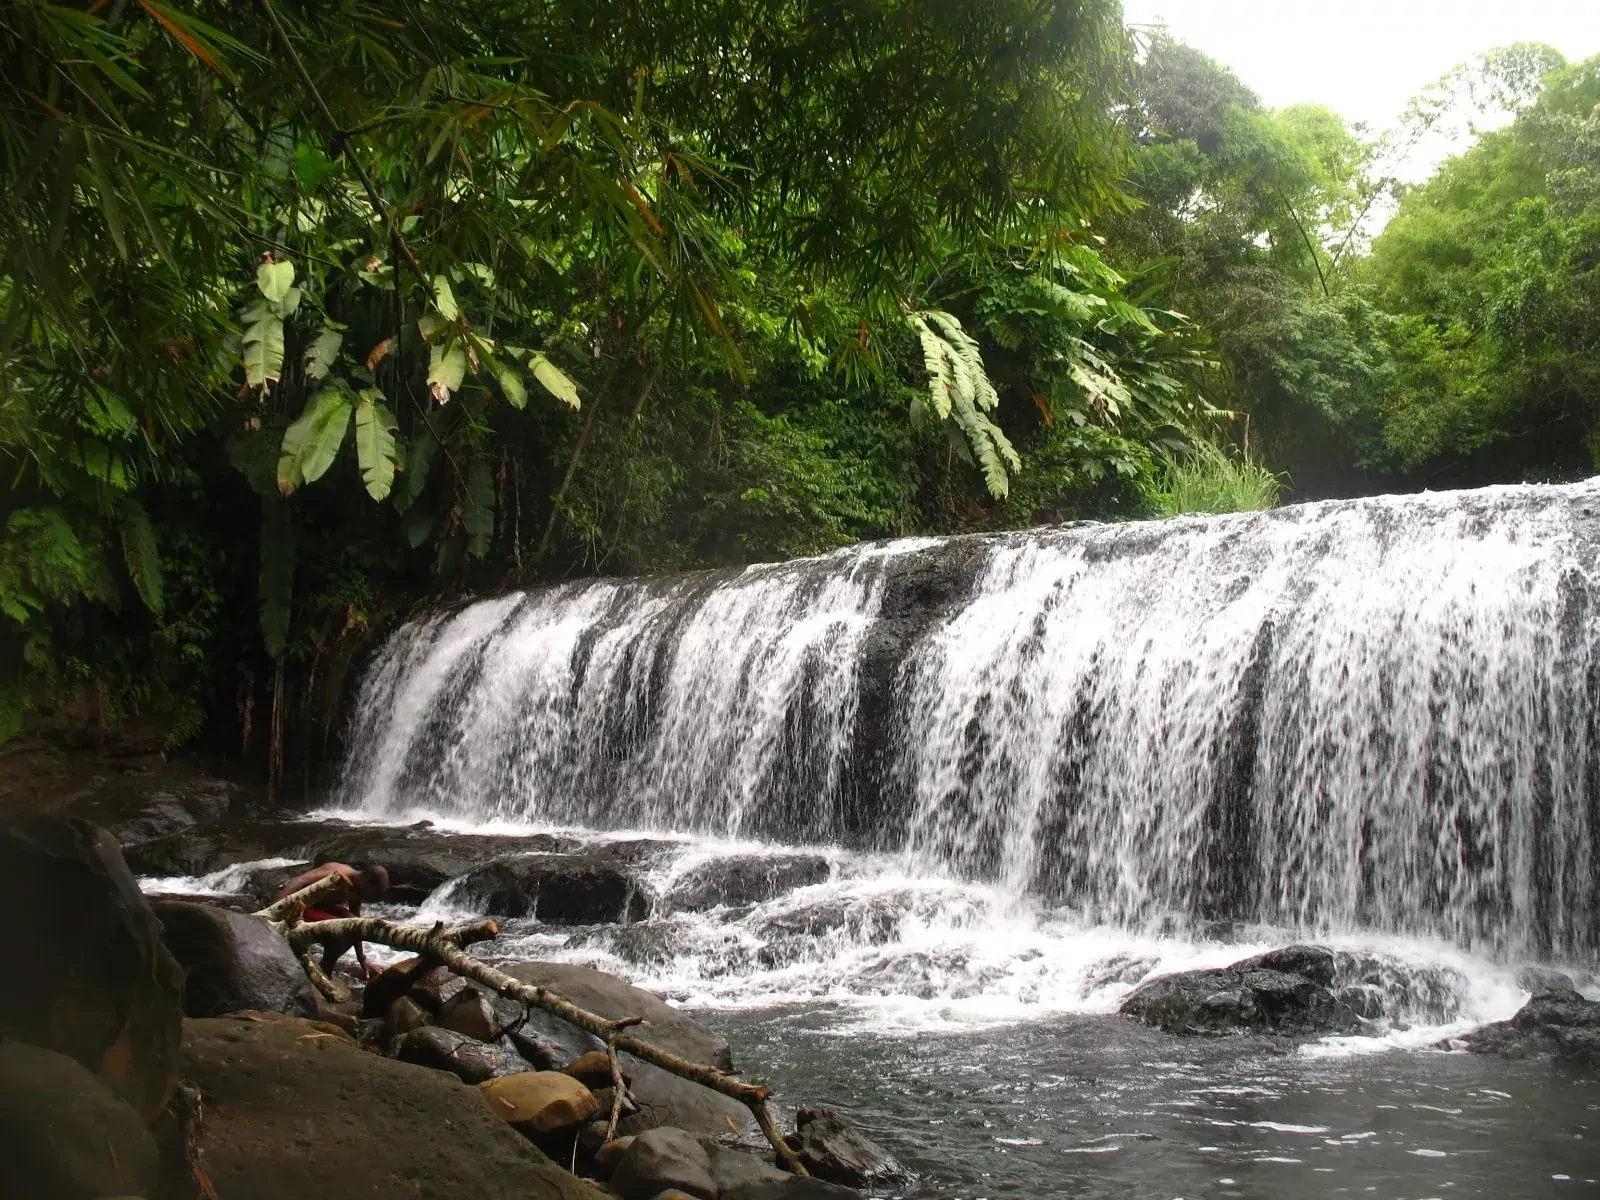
555	381
375	447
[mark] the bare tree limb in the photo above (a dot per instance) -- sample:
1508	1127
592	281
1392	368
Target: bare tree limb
435	943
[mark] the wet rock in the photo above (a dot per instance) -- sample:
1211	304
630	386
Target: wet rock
1559	1024
608	1154
1240	999
233	962
733	1167
1364	999
142	809
663	1160
538	1102
206	848
403	1016
1317	963
1537	979
469	1012
613	998
832	1151
745	879
64	1135
545	1040
409	979
791	1187
419	860
659	942
236	902
633	852
467	1059
604	1095
87	941
293	1115
665	1099
557	889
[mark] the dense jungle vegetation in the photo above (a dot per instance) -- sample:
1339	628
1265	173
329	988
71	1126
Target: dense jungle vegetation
311	311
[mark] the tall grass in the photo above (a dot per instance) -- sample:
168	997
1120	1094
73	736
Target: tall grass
1207	479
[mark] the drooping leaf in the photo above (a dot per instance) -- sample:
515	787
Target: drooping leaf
261	348
555	381
323	351
375	448
444	299
275	279
447	367
424	447
510	383
312	443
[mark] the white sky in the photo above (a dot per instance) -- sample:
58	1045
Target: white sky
1363	58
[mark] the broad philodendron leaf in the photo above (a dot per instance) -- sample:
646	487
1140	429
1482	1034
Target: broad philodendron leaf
324	350
275	279
143	556
312	443
375	448
555	381
447	367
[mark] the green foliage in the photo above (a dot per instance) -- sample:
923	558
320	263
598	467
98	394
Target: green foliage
1206	479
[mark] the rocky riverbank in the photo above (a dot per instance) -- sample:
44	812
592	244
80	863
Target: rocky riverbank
188	1051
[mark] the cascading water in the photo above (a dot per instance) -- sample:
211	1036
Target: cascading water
1367	715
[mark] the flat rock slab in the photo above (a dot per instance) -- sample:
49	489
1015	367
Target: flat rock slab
740	879
556	889
291	1111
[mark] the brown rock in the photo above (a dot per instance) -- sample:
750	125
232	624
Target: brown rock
305	1026
468	1013
403	1016
593	1070
540	1101
606	1158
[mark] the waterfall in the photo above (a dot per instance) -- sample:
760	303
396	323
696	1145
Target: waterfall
1359	714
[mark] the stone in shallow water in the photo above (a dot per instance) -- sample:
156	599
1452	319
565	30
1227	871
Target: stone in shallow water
834	1152
739	879
469	1012
1559	1024
1237	999
555	888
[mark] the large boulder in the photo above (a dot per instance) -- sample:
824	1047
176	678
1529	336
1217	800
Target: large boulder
736	1166
741	879
663	1160
557	889
233	962
1558	1023
1238	999
831	1150
64	1136
288	1112
469	1012
420	858
790	1187
103	988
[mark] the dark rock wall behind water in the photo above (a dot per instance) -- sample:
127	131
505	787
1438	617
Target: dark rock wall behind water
1377	713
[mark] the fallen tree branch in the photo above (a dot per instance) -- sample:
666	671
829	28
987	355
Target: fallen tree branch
291	908
437	944
619	1089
